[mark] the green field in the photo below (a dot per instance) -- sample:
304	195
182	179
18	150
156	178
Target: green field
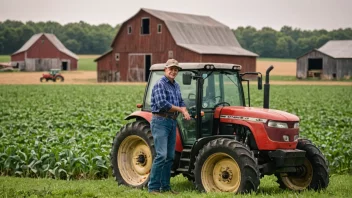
5	58
65	132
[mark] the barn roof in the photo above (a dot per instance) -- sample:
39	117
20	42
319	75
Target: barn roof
52	38
337	48
101	56
200	34
190	66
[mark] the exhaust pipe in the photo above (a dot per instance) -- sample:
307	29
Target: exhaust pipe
267	88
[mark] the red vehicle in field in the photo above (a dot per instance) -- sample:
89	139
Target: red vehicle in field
228	145
54	75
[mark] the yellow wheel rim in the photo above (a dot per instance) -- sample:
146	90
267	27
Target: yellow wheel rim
221	173
299	182
58	79
134	159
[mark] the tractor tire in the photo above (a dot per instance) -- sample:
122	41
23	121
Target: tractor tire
132	154
43	79
226	165
59	79
315	174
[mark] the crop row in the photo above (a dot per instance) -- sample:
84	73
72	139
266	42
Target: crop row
66	131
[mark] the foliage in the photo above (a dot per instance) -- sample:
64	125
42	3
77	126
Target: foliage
340	186
288	42
61	131
83	38
80	38
65	132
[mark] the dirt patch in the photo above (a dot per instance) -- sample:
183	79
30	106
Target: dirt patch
73	77
90	77
280	68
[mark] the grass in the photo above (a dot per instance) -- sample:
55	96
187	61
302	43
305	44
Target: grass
340	186
277	59
5	58
86	63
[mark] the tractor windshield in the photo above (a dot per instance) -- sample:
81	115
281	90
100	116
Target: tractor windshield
221	87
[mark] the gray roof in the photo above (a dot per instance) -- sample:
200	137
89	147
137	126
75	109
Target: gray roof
200	34
337	48
52	38
190	66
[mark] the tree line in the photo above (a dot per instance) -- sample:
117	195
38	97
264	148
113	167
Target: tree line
83	38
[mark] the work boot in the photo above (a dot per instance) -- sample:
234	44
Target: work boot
172	192
155	192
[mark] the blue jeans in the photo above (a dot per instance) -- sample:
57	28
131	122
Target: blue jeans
164	135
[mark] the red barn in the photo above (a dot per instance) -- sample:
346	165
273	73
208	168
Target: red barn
153	36
44	52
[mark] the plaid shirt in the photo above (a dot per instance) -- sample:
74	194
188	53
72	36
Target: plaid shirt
164	94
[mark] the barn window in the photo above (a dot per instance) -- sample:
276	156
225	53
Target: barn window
145	26
43	41
129	30
159	28
117	56
171	54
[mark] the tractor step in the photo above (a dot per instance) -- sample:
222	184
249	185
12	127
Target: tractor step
187	150
182	170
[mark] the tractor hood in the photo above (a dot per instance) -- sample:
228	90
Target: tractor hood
256	114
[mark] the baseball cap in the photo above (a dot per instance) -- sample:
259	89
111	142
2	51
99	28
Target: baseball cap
172	63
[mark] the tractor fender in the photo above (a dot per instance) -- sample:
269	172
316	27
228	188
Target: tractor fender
147	116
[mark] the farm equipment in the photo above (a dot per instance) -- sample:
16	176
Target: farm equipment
54	75
228	145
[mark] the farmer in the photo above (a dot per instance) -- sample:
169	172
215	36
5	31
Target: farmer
166	103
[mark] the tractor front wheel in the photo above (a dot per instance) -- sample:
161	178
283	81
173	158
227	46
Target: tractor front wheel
226	165
313	174
43	79
132	154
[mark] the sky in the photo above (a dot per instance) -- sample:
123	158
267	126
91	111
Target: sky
303	14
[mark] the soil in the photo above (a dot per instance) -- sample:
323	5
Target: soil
90	77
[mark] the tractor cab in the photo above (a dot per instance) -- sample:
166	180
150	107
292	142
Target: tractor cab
54	72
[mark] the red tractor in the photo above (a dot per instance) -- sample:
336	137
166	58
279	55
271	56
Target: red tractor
228	145
54	75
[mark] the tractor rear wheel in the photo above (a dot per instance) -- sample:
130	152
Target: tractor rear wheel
59	79
314	173
132	154
226	165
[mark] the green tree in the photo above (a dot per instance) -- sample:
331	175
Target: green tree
72	45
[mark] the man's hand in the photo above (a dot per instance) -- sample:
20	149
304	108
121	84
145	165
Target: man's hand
185	113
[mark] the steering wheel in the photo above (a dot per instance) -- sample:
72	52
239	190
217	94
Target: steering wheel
222	103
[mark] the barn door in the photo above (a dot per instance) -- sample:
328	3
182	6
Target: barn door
138	67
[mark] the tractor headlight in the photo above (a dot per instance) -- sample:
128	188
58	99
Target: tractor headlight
275	124
296	125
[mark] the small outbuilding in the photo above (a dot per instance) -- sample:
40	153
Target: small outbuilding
153	36
331	61
43	52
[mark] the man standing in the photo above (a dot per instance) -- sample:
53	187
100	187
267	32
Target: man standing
166	103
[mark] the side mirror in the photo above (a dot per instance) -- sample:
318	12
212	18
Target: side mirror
260	83
187	78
